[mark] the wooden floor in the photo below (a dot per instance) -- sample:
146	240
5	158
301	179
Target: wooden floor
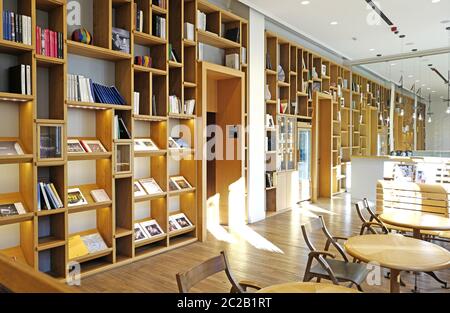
268	252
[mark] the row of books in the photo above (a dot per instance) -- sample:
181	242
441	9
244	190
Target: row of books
48	197
143	60
76	198
80	88
120	128
49	43
176	106
136	102
16	27
84	146
80	246
50	142
20	79
146	144
189	31
159	27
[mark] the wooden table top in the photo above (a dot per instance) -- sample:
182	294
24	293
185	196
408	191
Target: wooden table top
307	287
416	220
398	252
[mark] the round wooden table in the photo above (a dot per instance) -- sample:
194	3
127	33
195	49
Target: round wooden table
416	221
398	253
307	287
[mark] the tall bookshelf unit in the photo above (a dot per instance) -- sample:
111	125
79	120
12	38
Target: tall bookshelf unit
41	237
360	111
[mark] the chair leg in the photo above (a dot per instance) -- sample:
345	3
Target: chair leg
319	279
359	288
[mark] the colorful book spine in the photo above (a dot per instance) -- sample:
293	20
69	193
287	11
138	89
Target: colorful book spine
16	27
49	43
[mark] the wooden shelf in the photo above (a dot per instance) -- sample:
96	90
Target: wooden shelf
149	118
143	154
154	71
16	159
181	231
96	106
150	240
147	40
92	205
122	232
181	116
189	85
88	156
15	48
189	43
45	61
92	256
95	52
150	197
16	219
179	192
49	242
15	97
215	40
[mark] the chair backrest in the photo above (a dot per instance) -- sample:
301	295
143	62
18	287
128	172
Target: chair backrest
369	207
309	227
359	209
331	240
202	271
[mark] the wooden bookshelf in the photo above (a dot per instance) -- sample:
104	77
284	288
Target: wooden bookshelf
114	219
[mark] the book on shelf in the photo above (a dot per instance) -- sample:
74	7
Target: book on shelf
154	110
11	209
244	55
50	143
175	105
232	61
120	129
20	79
83	89
136	102
189	31
189	106
179	221
100	195
120	40
49	43
145	144
269	122
173	56
75	197
201	20
181	143
17	27
201	51
233	34
75	146
139	21
143	60
139	233
324	70
152	228
94	243
48	197
10	148
269	180
178	183
159	26
138	189
283	105
93	146
268	62
77	248
150	186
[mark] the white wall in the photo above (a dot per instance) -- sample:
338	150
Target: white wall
256	186
437	132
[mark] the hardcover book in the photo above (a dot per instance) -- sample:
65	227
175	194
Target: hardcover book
180	182
74	146
11	209
93	146
152	228
100	195
75	197
94	243
151	186
120	40
10	148
138	189
145	145
181	220
139	233
77	248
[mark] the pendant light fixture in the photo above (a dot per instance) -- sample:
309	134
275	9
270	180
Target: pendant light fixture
429	113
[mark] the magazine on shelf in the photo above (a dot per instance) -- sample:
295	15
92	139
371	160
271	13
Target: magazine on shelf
10	148
180	182
180	220
94	243
145	144
75	146
100	195
12	209
75	197
120	40
139	233
152	228
77	248
93	146
138	189
173	225
151	186
173	144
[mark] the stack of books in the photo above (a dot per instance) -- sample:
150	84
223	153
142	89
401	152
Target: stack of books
139	19
159	26
175	106
49	43
136	102
20	79
120	129
16	27
48	197
201	20
80	88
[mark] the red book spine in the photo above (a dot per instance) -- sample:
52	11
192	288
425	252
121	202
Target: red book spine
47	42
52	44
38	39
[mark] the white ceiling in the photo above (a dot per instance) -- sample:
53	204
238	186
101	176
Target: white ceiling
420	20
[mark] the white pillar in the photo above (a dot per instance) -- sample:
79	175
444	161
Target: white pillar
256	164
391	118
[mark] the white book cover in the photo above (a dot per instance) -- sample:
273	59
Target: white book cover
151	186
94	243
145	144
152	228
139	233
23	79
89	89
28	70
181	219
138	189
44	194
100	195
75	197
189	31
232	60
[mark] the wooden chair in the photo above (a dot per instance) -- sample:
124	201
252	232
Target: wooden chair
208	268
367	224
328	267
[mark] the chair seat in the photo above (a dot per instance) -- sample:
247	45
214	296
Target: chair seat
346	271
397	228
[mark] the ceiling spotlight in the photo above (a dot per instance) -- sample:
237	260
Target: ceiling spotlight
435	1
305	2
448	110
414	50
371	49
423	85
429	119
334	23
410	76
428	88
409	44
420	117
445	21
417	81
402	36
393	64
433	91
379	55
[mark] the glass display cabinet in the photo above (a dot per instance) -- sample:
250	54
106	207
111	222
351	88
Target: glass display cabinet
286	144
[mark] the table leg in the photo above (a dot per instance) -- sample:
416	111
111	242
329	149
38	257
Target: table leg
416	233
436	278
395	284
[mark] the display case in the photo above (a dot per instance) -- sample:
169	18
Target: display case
123	158
286	160
50	142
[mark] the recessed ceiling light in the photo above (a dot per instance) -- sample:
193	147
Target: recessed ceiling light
423	85
433	91
414	50
371	49
428	88
435	1
409	44
393	64
442	97
410	76
334	23
417	81
445	21
379	55
305	2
